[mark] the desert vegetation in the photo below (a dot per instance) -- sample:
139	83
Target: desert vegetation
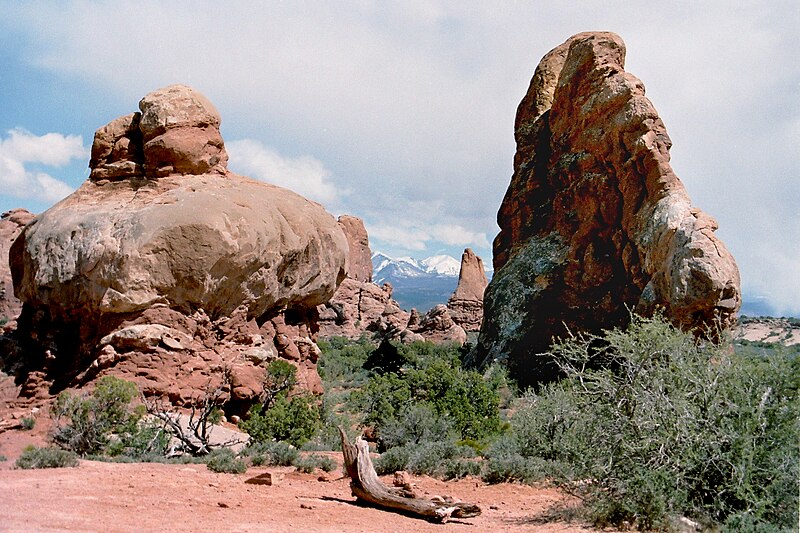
648	425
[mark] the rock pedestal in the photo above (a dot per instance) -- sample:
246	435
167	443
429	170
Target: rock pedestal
165	267
466	303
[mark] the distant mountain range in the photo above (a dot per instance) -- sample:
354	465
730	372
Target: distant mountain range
418	283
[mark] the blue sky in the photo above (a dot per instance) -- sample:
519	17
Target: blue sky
402	113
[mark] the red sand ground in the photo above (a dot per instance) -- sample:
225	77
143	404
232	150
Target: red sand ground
113	497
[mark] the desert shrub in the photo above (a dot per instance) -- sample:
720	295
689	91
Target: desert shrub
224	461
508	459
386	358
3	458
417	423
667	426
293	420
309	462
27	422
392	460
432	377
279	379
270	453
342	361
444	460
33	457
84	423
279	417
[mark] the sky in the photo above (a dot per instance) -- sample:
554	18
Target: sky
402	113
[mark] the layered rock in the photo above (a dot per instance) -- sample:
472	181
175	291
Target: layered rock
466	304
166	267
11	225
595	223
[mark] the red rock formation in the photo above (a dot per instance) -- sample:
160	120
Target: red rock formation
164	267
466	303
437	326
595	222
360	307
11	225
359	261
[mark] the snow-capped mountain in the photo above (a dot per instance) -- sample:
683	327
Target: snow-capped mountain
417	283
385	268
442	265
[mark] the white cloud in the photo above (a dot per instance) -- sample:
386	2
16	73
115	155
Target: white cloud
411	104
304	175
21	149
424	236
458	236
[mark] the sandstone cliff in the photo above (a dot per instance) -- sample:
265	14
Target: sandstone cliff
165	267
595	223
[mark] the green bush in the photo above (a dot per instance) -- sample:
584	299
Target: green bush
431	377
224	461
33	457
308	463
279	417
415	424
444	460
293	420
342	361
392	460
270	453
666	426
27	422
84	423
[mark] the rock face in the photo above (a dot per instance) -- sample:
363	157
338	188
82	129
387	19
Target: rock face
359	263
594	221
466	303
11	225
165	266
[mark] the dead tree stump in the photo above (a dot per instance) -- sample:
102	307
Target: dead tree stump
366	486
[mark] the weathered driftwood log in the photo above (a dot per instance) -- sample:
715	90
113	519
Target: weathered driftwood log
366	486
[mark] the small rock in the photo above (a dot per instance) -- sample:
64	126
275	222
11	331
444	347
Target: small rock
267	478
306	506
401	478
223	505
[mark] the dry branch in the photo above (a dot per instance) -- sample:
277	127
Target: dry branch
366	486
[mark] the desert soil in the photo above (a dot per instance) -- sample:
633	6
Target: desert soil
144	497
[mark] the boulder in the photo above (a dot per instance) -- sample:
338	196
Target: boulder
595	223
177	264
11	225
466	303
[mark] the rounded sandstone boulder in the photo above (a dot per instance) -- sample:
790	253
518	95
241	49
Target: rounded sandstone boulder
201	241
